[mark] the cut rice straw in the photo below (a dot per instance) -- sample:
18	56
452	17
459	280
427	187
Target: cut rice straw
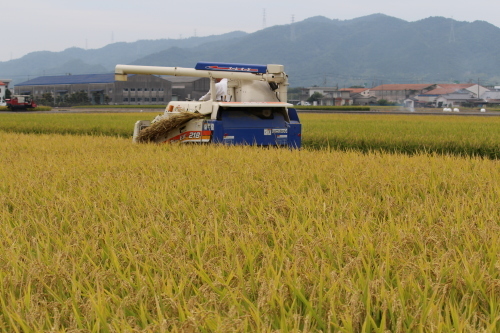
165	125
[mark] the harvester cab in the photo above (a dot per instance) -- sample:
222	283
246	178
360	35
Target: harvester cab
254	110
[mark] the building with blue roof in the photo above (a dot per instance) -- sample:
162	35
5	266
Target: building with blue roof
101	88
69	79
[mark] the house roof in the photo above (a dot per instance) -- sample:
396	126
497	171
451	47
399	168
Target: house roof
402	87
457	95
361	96
2	84
491	95
354	90
69	79
322	88
444	89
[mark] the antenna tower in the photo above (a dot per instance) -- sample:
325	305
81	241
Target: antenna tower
452	32
292	29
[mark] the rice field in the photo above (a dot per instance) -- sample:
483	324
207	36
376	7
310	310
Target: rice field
101	235
464	136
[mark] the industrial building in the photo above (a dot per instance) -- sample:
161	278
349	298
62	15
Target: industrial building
188	88
103	89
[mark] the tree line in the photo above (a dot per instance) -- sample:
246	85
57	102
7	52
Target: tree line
76	98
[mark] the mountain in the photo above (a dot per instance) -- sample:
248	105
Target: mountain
79	61
368	50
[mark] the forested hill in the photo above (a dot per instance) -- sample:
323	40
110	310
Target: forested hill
94	61
368	50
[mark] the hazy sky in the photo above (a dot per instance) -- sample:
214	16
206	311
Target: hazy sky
54	25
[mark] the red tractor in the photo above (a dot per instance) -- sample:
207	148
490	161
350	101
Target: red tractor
20	102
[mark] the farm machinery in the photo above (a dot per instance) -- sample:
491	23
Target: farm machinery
20	102
251	110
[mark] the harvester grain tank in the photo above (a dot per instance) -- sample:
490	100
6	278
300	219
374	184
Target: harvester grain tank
253	111
20	102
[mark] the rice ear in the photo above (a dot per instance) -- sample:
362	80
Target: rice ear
163	126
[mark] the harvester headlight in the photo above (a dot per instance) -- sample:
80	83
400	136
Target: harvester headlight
267	113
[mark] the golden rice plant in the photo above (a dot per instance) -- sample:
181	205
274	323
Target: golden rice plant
100	235
409	134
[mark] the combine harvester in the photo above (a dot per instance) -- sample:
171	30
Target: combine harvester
20	103
253	112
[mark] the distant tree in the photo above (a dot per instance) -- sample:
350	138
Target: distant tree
356	87
315	97
78	98
294	90
386	102
8	94
60	99
47	99
294	93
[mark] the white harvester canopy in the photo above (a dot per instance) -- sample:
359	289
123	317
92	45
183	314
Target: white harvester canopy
246	83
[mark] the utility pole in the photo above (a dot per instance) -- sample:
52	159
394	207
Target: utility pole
478	88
